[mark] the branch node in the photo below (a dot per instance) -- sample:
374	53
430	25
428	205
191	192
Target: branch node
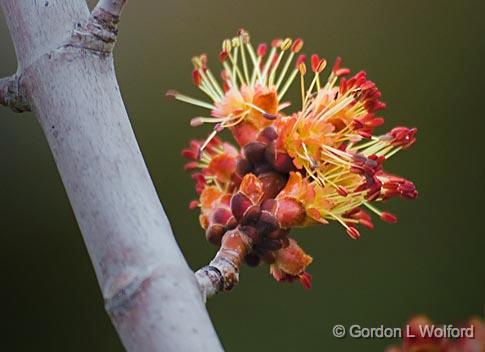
101	30
11	94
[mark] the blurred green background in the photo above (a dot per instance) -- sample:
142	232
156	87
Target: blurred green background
427	58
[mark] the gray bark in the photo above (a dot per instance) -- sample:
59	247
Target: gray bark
66	72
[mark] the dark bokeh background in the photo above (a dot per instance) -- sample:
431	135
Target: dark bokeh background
426	56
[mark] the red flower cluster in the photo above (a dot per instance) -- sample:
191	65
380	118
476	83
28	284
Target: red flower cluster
317	164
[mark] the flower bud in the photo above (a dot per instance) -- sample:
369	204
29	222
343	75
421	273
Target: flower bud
273	183
280	161
252	260
290	212
254	152
251	215
214	234
239	204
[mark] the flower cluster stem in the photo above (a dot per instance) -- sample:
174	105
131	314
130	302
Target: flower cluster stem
222	273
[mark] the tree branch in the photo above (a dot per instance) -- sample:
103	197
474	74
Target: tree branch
69	78
12	96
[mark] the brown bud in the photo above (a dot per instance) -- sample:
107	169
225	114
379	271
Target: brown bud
231	223
214	234
254	152
239	204
267	135
290	212
280	161
268	222
251	232
278	234
262	168
221	216
243	167
273	183
271	245
251	215
269	205
268	257
252	260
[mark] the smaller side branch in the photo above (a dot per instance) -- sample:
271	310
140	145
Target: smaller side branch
100	32
11	94
222	273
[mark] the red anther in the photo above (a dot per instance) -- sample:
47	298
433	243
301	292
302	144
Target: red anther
375	122
380	106
315	60
225	86
194	204
343	86
372	195
364	134
275	43
190	153
388	217
357	124
262	48
368	85
269	116
203	61
223	55
342	72
300	60
342	191
196	77
366	223
306	280
318	65
336	65
171	93
191	165
297	45
353	233
403	136
199	180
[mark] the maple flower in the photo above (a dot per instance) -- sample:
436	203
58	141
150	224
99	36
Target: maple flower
331	142
215	165
252	88
323	162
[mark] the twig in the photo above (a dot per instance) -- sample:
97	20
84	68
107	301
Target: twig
101	30
222	273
